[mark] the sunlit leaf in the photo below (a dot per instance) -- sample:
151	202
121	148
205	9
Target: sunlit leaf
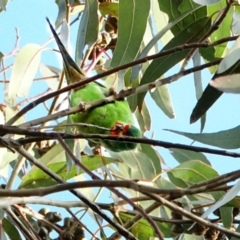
162	98
182	155
77	9
109	8
24	69
226	198
191	172
231	58
206	2
36	178
228	66
158	36
140	164
161	65
144	118
227	139
228	84
236	23
54	73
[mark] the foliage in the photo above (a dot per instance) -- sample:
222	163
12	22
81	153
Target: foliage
129	46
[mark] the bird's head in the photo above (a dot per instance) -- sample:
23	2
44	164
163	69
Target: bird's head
123	129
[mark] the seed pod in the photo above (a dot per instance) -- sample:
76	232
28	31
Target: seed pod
211	234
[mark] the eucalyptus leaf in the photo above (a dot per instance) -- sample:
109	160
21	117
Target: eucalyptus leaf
36	178
10	230
131	28
161	65
88	29
192	172
227	139
227	84
207	2
226	198
24	69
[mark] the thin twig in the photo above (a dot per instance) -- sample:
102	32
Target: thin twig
111	71
115	191
91	205
87	106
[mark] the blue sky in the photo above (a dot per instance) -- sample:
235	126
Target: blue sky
29	18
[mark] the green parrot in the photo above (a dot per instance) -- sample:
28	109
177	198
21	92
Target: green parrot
114	118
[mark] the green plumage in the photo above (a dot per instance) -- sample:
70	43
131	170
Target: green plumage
106	116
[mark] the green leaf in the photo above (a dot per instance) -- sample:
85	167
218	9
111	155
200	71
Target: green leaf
161	65
223	29
76	9
182	155
88	28
55	155
37	178
6	157
143	230
191	172
227	139
228	196
227	84
10	230
198	83
165	184
227	217
208	98
207	2
10	112
62	10
140	165
144	118
162	98
191	237
158	36
230	60
110	8
154	155
228	66
131	28
24	70
49	71
174	9
235	23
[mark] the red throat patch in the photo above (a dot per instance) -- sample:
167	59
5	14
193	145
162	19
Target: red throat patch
119	129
